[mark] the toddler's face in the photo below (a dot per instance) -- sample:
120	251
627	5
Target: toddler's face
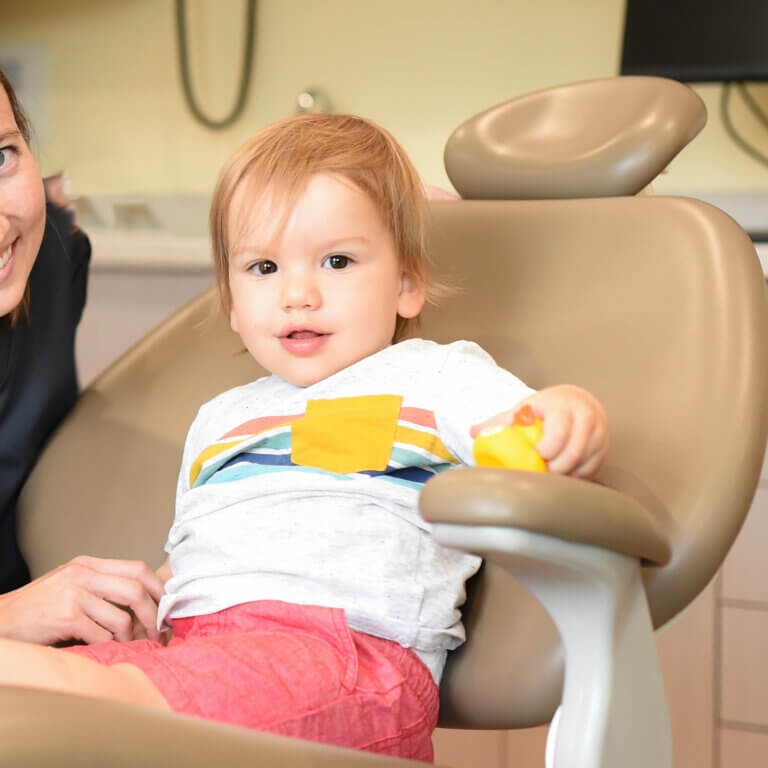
322	293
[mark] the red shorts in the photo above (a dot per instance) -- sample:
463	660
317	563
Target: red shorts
291	669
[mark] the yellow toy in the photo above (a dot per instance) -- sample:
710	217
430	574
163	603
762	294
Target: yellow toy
511	447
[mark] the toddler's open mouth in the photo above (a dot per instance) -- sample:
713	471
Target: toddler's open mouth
303	341
304	334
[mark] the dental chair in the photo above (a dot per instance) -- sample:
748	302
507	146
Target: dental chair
566	274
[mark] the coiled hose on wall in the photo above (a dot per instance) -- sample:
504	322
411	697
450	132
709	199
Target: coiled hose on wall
245	76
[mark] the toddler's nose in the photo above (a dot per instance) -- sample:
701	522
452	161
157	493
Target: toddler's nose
300	291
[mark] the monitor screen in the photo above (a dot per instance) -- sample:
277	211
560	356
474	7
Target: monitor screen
696	40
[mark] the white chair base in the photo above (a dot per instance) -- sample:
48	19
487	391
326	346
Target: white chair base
613	712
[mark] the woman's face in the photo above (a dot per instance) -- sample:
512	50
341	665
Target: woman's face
22	210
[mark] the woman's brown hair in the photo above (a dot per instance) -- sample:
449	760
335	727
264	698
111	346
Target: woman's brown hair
22	123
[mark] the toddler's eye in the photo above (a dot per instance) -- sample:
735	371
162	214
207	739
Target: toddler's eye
265	267
337	261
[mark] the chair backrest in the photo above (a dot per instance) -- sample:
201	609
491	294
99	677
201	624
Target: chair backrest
655	304
106	483
658	306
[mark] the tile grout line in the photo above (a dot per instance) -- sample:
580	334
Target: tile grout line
744	605
504	750
717	647
738	725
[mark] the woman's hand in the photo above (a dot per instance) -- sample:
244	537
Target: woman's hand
575	438
89	599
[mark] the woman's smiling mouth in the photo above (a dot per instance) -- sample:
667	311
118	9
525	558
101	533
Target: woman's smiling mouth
7	254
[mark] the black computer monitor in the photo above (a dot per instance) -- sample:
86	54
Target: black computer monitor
696	40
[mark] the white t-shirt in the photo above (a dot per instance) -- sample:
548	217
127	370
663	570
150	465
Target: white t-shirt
309	495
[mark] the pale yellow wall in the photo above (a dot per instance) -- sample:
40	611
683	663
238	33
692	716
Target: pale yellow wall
118	124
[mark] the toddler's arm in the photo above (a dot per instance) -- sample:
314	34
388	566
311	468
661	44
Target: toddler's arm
576	436
164	571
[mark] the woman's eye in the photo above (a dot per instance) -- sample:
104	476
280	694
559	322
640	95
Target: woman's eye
337	261
265	267
5	155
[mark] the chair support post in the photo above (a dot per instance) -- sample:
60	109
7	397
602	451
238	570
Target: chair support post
613	711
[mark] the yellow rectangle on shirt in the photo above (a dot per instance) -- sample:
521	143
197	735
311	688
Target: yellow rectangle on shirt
346	434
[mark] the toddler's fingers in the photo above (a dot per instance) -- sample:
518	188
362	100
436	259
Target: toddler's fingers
557	429
594	453
575	448
588	468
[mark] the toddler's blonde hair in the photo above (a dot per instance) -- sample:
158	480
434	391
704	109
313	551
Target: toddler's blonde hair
281	158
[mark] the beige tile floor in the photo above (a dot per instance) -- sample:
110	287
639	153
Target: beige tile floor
490	749
741	655
743	749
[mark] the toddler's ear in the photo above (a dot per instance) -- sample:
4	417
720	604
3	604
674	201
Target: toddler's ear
412	296
233	321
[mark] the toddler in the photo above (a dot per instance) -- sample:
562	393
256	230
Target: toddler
306	595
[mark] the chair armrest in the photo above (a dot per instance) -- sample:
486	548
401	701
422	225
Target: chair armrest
578	547
564	507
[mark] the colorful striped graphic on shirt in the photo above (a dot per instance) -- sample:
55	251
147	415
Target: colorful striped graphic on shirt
264	445
270	436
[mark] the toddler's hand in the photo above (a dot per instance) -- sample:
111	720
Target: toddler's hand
575	438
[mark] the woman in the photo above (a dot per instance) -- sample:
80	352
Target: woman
43	274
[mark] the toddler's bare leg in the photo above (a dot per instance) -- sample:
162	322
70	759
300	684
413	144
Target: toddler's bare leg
35	666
